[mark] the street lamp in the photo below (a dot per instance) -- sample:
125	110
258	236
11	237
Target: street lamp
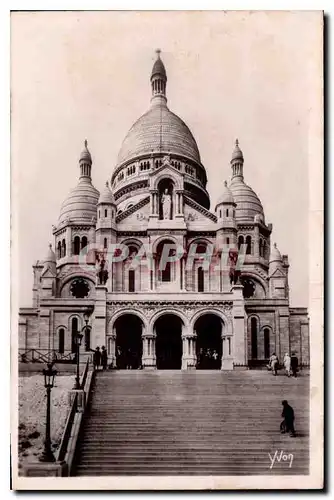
78	339
49	377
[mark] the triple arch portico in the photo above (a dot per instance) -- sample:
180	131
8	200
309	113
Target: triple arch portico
170	337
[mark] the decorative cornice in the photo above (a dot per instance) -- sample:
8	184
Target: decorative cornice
131	187
132	209
199	208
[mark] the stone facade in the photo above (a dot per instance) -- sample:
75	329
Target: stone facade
199	304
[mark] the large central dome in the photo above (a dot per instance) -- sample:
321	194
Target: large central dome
159	130
157	134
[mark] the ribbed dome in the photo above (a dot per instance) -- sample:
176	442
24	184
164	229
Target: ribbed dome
248	203
159	130
275	254
50	257
159	68
226	196
85	154
237	153
80	205
106	195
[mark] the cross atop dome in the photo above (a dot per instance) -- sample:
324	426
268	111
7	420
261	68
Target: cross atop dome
158	52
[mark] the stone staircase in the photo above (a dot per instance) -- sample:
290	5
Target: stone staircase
193	423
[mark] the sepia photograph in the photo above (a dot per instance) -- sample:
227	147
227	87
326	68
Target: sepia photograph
166	176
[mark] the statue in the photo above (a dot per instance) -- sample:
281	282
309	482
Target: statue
166	205
102	273
234	273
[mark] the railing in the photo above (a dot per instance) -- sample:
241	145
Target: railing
68	430
84	375
45	356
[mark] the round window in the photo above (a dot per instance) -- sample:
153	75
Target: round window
79	288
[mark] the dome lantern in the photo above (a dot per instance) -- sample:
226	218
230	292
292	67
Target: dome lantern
158	81
85	162
237	161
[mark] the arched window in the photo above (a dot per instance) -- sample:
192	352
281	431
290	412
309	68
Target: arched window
264	250
248	245
200	279
261	248
266	340
87	339
106	213
227	212
240	241
59	250
254	337
105	243
63	248
74	331
220	213
76	246
83	242
131	280
61	340
166	273
99	214
227	241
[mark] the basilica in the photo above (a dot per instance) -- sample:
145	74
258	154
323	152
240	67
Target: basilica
153	271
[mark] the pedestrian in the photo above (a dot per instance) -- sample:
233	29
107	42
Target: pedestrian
287	363
273	363
289	416
104	358
97	358
294	364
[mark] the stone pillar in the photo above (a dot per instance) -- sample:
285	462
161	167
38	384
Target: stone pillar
149	357
256	241
188	350
227	352
284	329
239	344
68	240
112	348
100	326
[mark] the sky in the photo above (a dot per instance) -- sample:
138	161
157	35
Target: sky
85	75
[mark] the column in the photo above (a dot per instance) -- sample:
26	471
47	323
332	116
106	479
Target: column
112	348
100	312
256	241
239	344
188	350
149	357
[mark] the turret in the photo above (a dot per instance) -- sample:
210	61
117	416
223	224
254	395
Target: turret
48	275
158	81
277	275
106	218
226	224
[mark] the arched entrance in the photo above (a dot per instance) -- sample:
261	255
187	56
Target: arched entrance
209	342
129	347
168	329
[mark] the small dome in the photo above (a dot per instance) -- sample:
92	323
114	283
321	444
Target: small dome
158	67
248	203
106	196
226	196
80	205
275	254
237	153
50	257
85	154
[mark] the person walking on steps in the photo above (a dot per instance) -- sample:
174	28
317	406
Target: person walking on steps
273	363
97	358
294	364
289	416
287	363
104	358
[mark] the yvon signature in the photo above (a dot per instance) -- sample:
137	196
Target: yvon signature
280	457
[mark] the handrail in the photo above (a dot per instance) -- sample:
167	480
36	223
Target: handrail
84	375
68	429
44	355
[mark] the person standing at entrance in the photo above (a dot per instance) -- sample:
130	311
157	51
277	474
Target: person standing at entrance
289	416
294	364
104	358
273	363
97	358
287	363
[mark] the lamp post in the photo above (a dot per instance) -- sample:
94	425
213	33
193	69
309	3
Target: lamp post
49	377
78	339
